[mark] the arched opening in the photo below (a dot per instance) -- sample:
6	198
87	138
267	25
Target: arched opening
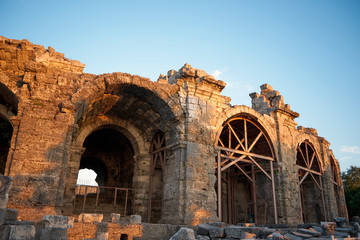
336	182
311	192
6	131
111	156
157	170
124	237
245	179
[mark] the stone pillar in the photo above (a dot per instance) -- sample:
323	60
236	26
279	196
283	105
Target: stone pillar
5	185
140	186
286	174
71	178
174	184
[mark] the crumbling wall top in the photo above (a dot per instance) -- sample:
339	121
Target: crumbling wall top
197	75
38	56
270	100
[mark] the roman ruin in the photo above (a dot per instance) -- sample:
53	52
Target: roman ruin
174	151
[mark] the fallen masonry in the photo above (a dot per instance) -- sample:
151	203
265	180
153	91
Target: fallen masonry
167	154
322	231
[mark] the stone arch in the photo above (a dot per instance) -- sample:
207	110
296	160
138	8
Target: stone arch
163	97
310	172
306	138
125	127
263	120
235	163
138	146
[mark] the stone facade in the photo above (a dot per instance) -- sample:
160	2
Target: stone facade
63	120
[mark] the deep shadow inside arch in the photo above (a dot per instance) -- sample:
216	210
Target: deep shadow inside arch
110	154
6	131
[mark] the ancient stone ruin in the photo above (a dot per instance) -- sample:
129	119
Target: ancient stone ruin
173	151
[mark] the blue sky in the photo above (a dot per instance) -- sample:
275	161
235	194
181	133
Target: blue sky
307	50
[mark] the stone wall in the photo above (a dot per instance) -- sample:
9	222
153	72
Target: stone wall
54	107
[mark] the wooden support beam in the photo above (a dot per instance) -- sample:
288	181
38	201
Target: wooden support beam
255	141
309	170
254	193
258	165
273	192
246	153
219	185
236	136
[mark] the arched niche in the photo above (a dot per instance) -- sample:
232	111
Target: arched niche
310	183
244	171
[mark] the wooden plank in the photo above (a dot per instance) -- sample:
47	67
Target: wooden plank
258	165
246	153
254	142
273	192
243	172
245	132
232	163
309	170
237	138
219	185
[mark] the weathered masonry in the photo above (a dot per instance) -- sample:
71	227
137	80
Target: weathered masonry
173	151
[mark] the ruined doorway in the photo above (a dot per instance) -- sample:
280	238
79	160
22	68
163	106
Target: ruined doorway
310	184
110	155
6	131
244	169
156	180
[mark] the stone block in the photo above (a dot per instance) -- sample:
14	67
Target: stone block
184	234
58	221
340	221
302	235
264	232
340	234
356	219
328	227
348	230
318	229
233	232
272	94
277	236
292	237
216	232
90	217
115	217
203	229
5	185
53	234
17	232
8	214
309	231
102	236
135	219
246	235
202	237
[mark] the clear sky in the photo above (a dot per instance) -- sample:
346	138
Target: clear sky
308	50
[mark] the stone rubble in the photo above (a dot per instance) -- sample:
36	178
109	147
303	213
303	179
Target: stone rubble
328	230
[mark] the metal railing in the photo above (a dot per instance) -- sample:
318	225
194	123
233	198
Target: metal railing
115	196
